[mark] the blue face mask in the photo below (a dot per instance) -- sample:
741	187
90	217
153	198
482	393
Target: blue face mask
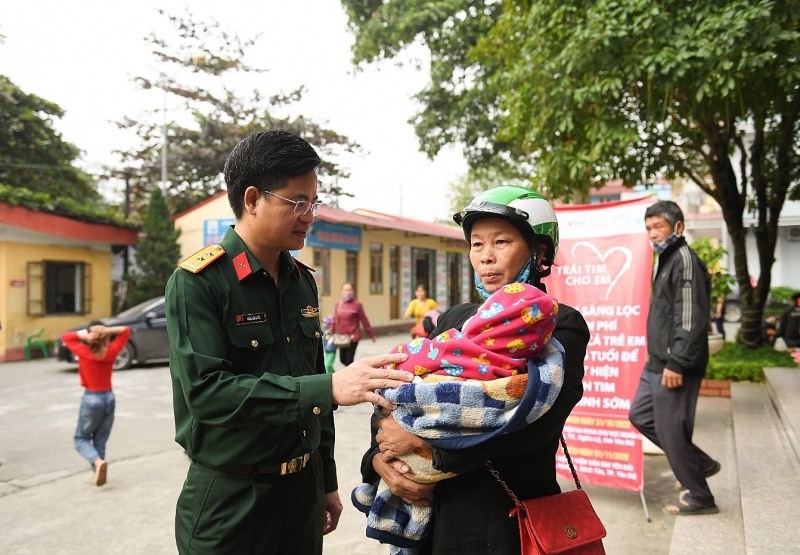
348	298
522	277
663	245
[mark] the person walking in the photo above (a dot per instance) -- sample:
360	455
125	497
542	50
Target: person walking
513	236
252	400
96	354
663	408
348	317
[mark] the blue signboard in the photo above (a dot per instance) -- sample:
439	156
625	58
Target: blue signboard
214	230
326	235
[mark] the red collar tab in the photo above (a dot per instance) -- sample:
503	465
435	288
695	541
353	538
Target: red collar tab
242	265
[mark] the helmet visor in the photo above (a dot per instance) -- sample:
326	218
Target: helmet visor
489	209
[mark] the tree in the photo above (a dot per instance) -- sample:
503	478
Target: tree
32	153
585	91
157	251
220	118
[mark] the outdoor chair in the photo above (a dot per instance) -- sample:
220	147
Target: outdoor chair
35	342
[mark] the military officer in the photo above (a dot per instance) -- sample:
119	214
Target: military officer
253	403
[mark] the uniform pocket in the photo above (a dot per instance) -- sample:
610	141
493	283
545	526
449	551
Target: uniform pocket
250	336
312	334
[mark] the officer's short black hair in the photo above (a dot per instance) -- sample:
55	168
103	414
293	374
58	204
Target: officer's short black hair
266	160
665	209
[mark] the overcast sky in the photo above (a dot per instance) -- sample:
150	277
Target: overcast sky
81	55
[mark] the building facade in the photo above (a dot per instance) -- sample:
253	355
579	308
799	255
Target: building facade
56	274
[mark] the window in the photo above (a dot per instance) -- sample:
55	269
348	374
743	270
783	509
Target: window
351	269
59	288
322	264
376	268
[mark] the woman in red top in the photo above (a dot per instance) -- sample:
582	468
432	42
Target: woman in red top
347	316
95	363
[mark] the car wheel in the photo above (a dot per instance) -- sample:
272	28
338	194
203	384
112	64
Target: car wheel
732	312
124	358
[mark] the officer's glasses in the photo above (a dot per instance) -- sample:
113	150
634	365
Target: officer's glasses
301	207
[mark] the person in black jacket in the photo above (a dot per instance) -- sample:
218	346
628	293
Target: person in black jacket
663	409
789	324
513	237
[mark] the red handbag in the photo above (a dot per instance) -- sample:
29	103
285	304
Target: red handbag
561	523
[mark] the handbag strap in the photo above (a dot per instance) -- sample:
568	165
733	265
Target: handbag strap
511	494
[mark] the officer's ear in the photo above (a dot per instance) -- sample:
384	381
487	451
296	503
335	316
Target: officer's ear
251	198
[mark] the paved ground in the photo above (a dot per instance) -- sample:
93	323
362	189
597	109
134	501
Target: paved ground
45	506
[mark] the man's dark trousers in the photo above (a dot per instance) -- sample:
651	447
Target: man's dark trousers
666	417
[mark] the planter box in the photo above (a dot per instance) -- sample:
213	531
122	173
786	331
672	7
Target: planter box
715	388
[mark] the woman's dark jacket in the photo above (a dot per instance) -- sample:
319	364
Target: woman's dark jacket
471	510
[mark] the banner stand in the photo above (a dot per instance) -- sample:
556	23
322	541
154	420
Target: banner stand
644	505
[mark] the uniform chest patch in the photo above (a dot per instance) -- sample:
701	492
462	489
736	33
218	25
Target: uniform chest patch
310	312
253	318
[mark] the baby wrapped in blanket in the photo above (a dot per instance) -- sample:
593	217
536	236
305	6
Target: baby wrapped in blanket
499	373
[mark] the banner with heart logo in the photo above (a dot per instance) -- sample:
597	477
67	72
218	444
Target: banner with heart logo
603	269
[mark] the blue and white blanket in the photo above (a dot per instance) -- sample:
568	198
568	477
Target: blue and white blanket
453	413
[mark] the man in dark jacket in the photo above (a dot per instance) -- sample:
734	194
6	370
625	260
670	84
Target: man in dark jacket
789	324
663	409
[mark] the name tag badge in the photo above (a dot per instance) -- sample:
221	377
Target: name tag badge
253	318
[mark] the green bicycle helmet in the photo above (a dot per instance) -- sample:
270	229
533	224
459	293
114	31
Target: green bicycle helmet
524	208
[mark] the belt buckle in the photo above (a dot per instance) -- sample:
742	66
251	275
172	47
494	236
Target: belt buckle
295	465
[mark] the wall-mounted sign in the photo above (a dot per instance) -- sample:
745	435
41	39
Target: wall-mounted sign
214	230
326	235
17	283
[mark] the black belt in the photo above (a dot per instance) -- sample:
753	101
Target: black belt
289	467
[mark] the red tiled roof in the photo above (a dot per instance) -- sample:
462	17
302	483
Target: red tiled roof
387	221
62	226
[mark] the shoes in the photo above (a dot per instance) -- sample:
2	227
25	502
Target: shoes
707	473
682	508
100	473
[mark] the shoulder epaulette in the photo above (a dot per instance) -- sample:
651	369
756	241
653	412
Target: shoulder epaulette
197	262
301	265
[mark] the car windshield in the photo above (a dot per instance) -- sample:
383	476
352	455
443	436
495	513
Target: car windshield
138	309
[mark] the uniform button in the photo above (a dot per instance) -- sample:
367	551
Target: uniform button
254	343
316	410
304	433
316	334
288	339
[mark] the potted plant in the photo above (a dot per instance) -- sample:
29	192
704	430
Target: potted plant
712	255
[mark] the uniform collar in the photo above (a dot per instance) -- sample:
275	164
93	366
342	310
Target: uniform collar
245	264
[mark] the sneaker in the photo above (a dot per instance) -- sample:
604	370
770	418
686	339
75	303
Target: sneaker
100	473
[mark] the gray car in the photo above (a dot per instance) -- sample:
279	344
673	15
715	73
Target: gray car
148	342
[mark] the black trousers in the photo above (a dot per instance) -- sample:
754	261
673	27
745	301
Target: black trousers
348	354
666	417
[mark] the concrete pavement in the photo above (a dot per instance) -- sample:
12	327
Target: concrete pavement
45	506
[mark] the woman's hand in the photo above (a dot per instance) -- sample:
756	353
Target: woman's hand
394	441
408	490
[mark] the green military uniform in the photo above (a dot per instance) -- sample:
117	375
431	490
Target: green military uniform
251	399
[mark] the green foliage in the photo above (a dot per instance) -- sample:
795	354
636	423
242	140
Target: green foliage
580	92
195	60
157	251
32	153
738	362
712	255
93	212
782	295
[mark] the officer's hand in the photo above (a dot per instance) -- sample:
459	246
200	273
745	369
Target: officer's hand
333	510
394	441
670	379
393	473
357	383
